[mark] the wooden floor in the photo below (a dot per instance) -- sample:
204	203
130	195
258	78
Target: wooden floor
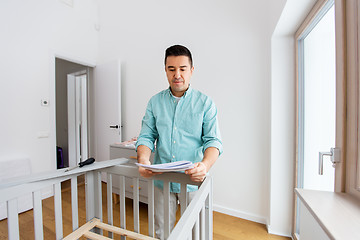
225	226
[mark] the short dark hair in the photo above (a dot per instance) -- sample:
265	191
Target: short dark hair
178	50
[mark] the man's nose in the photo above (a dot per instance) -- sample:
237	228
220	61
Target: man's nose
177	74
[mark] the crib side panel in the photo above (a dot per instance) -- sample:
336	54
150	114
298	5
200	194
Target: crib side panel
191	217
35	185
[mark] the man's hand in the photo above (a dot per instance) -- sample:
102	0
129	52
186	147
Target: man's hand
143	156
147	173
197	174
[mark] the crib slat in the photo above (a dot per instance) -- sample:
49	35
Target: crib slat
195	231
74	203
58	211
13	219
98	198
166	209
136	205
122	204
209	216
98	195
202	224
89	190
109	202
94	236
81	230
38	220
183	198
125	232
151	207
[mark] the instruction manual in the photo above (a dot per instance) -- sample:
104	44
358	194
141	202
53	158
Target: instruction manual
168	167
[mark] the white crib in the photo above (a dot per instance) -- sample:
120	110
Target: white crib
195	221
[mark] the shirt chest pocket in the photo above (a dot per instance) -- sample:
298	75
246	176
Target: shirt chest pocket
192	124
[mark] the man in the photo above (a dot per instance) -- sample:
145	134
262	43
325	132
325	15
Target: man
183	122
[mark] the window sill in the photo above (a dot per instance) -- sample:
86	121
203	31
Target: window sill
338	214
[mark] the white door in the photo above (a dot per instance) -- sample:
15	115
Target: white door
77	117
107	91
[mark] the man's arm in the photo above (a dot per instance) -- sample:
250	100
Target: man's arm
143	157
146	139
197	174
211	142
143	154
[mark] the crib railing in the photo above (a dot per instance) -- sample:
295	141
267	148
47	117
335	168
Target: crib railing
195	222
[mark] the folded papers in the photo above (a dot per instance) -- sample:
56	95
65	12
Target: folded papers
168	167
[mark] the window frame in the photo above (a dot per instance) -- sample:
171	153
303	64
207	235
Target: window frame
353	99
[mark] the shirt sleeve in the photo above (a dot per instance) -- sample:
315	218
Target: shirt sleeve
211	132
148	133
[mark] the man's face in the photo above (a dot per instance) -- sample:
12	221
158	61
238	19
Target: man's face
178	72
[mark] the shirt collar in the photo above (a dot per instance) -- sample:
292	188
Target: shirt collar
187	92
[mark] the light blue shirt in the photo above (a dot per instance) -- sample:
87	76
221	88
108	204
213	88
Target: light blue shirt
182	129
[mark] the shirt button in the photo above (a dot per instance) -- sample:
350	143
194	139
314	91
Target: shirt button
173	156
174	141
175	128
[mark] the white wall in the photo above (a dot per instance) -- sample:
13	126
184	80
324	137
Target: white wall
31	32
230	42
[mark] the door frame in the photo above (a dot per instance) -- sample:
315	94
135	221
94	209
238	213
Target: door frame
52	95
340	134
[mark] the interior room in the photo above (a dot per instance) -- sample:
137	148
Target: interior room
245	59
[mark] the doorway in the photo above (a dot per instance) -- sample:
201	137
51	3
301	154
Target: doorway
71	84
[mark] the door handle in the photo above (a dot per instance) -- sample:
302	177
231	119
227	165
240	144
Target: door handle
334	158
114	126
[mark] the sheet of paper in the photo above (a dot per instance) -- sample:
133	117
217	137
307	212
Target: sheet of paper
168	167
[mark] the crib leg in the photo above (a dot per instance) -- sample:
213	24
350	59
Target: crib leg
93	196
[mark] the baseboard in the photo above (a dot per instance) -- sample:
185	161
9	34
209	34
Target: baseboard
271	231
239	214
